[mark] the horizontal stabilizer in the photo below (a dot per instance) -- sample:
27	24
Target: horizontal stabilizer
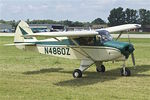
20	44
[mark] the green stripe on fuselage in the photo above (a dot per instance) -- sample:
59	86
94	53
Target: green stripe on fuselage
63	42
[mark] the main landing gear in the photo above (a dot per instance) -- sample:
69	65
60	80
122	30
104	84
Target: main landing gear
78	73
100	68
85	64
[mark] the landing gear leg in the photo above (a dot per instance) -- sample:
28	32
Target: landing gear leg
125	71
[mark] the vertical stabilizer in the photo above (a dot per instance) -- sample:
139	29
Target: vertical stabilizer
23	29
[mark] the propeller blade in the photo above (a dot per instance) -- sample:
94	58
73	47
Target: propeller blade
132	54
133	59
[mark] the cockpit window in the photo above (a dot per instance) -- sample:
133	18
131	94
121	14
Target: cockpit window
97	40
105	36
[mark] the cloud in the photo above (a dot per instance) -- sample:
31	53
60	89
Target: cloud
37	7
82	10
63	8
1	4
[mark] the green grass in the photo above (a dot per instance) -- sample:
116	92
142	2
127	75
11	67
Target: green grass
132	32
28	75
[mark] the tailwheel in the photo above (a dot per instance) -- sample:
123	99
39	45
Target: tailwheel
77	73
126	73
100	68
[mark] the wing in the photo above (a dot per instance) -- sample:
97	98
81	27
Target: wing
73	34
121	28
64	34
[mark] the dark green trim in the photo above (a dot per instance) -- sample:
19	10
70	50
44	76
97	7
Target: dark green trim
24	33
125	48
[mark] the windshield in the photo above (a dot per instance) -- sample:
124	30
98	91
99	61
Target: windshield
105	36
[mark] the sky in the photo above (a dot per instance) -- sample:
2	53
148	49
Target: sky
75	10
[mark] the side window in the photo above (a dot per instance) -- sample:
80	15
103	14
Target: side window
86	41
90	41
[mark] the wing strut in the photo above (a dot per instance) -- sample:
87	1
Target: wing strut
119	35
56	39
82	49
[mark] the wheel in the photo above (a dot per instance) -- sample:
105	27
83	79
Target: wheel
77	73
100	68
127	72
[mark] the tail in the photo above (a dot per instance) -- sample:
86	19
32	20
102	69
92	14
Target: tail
23	29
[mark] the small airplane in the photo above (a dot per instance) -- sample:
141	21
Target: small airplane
91	47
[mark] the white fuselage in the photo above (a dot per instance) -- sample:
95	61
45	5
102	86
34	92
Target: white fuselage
98	53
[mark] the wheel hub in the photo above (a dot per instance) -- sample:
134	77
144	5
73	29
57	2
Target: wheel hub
99	68
76	74
125	73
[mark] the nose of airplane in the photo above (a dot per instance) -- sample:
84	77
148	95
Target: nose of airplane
125	48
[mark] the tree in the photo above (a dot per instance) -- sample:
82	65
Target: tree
13	23
144	16
98	21
87	24
77	24
116	17
2	21
28	21
131	16
67	23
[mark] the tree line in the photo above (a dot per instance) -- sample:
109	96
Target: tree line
65	22
117	16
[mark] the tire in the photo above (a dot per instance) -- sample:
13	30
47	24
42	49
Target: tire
100	68
77	73
127	72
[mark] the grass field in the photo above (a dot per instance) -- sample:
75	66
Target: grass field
27	76
139	32
132	32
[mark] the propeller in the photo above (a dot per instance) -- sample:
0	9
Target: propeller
132	54
133	59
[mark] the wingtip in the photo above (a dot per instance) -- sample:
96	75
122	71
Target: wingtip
138	25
